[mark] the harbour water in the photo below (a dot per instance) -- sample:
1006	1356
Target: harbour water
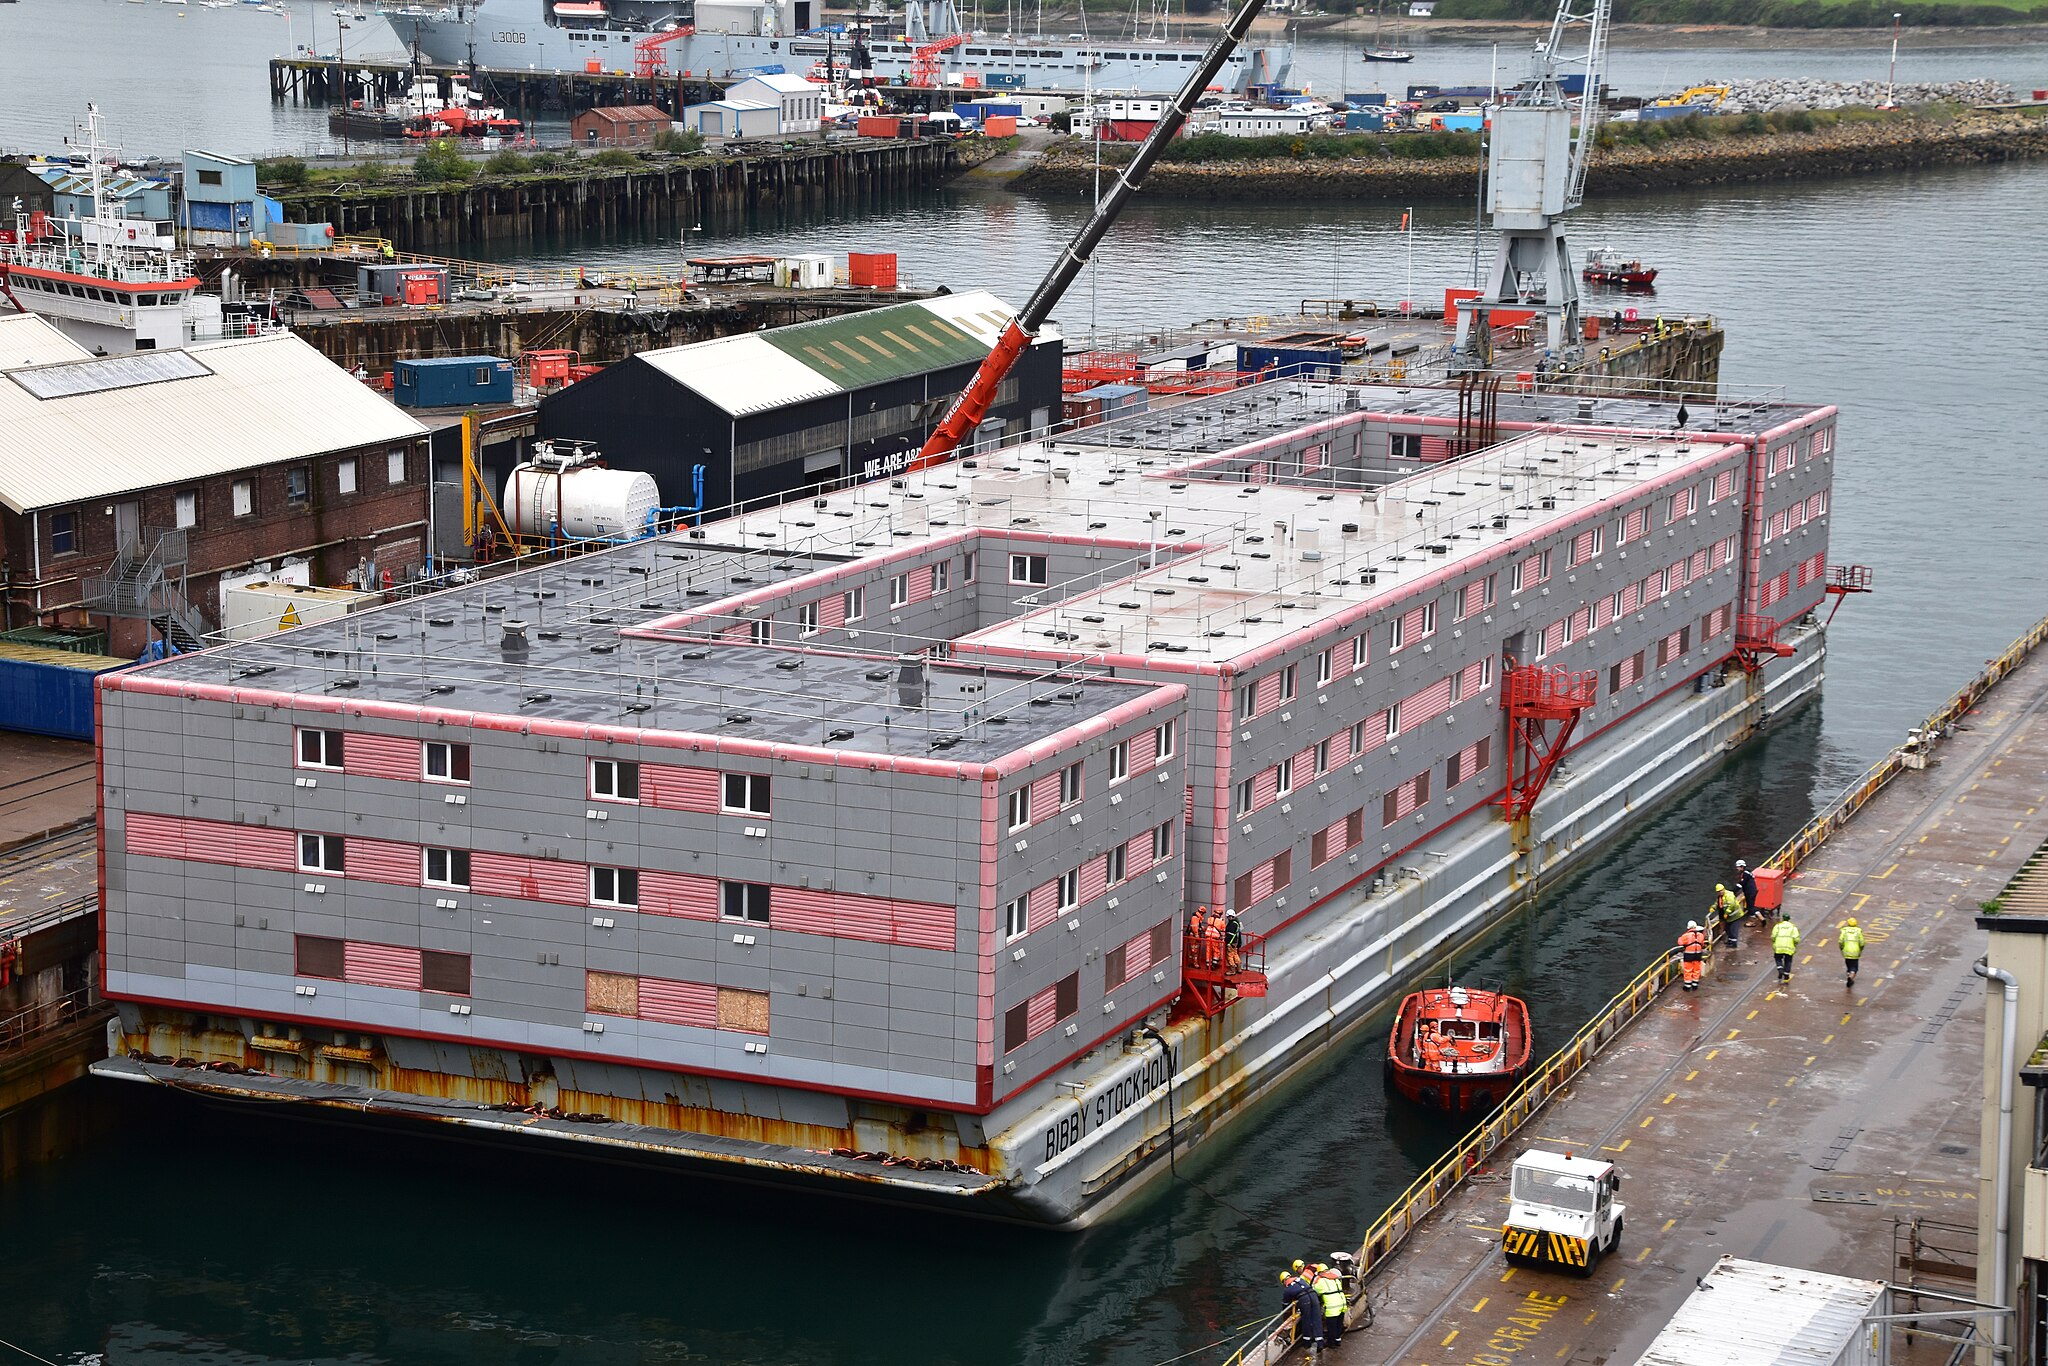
231	1235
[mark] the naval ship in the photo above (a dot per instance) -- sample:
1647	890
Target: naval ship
736	36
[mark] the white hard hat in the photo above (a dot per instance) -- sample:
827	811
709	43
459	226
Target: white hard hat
1740	864
1692	924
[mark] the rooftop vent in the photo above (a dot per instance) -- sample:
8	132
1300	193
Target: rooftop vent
513	643
910	680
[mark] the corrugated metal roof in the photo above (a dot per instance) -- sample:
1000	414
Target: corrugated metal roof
26	339
742	374
883	344
263	400
783	81
977	312
1756	1314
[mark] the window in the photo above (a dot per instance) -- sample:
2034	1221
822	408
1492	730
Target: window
1020	808
942	576
441	762
1017	1026
1322	757
1016	919
187	505
1325	668
856	604
1027	569
1290	678
1393	720
394	467
244	498
1119	761
446	868
745	792
615	780
447	973
1247	701
319	749
1162	741
1070	890
1475	597
1286	771
969	567
1531	571
1066	996
744	901
1412	626
318	956
1247	793
209	177
64	533
761	631
295	484
1162	842
807	619
1113	865
899	590
1361	650
615	887
320	853
1070	785
345	474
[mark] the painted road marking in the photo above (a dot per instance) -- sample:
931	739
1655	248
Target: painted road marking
1690	1075
1713	1055
1591	1316
1825	1042
1668	1099
1508	1275
1811	1056
1644	1253
1847	1018
1646	1121
1479	1306
1667	1226
1731	1034
1449	1338
1886	873
1750	1016
1620	1147
1517	1330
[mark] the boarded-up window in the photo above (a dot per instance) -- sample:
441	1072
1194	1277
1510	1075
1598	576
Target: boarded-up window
1016	1025
1241	893
317	956
1113	973
611	993
1162	941
444	972
746	1011
1283	869
1066	996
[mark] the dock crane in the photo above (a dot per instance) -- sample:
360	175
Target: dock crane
972	406
1542	139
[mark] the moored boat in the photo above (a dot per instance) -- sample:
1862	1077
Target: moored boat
1459	1049
1605	266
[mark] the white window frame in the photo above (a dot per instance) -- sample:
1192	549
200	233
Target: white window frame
899	590
625	886
323	849
1290	682
345	474
448	858
1284	775
449	747
856	603
326	746
1073	785
1393	720
807	619
748	891
970	567
1457	686
1326	668
761	631
1029	564
1163	738
1247	796
186	506
1018	812
1070	891
1119	762
1016	919
1247	700
1361	649
1322	757
1162	841
610	777
243	496
756	796
1114	866
942	576
394	467
1397	634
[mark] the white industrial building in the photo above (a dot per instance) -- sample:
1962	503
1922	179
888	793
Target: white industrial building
1264	123
733	119
800	103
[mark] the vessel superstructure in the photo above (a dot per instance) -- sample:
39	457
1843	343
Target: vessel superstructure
738	36
867	826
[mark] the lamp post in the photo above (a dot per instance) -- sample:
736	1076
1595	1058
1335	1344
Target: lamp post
1892	79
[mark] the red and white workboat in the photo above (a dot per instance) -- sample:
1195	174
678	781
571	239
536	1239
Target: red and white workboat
1459	1049
1605	267
113	284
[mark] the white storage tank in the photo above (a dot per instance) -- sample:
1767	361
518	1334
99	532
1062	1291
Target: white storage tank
574	496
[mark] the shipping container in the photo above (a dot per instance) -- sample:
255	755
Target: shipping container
1117	400
1290	362
1365	121
395	284
49	692
871	269
1756	1314
1461	123
1371	99
258	609
876	126
1077	411
1000	125
1004	80
451	381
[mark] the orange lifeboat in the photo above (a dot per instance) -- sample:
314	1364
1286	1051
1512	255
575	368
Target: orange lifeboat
1459	1049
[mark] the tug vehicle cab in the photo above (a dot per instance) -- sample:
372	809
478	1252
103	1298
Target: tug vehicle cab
1563	1212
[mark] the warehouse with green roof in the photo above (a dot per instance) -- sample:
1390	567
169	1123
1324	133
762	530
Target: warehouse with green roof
767	412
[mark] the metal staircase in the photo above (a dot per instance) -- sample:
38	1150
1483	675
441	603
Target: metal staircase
146	582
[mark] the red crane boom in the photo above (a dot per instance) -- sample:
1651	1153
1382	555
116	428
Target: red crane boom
972	406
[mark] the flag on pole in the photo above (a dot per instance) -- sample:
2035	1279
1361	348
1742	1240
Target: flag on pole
1404	220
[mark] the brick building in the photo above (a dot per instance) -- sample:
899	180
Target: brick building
132	487
629	125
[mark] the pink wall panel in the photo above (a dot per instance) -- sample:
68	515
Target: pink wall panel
1265	787
1269	692
1045	798
1475	598
1039	1013
155	836
679	1003
678	894
924	925
1094	879
1144	751
381	756
530	879
831	612
1138	855
1411	626
238	846
678	788
1426	705
1340	747
382	861
1305	766
1042	904
1375	732
381	965
921	584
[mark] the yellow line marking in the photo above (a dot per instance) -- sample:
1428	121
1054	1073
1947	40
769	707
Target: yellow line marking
1750	1016
1807	959
1713	1055
1619	1281
1828	1040
1668	1099
1732	1033
1646	1121
1667	1226
1644	1253
1481	1305
1847	1018
1896	962
1690	1075
1861	898
1809	1059
1449	1338
1886	873
1562	1351
1620	1147
1591	1316
1791	1081
1771	1104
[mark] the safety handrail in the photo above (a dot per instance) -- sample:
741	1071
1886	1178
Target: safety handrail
1265	1338
1447	1174
24	1026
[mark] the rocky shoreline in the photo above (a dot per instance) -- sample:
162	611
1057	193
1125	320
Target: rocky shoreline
1845	149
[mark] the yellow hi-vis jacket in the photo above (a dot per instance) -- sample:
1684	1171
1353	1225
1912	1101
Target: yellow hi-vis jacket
1331	1290
1784	937
1851	940
1731	906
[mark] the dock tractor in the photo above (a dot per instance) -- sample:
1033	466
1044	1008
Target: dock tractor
1563	1212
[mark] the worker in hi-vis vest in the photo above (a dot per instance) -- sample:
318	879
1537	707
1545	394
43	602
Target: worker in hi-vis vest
1784	943
1850	940
1692	954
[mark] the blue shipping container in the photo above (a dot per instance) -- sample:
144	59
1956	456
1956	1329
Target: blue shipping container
1287	362
1365	121
1462	123
49	692
451	381
1004	80
1373	98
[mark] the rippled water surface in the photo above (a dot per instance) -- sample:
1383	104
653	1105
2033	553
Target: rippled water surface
228	1235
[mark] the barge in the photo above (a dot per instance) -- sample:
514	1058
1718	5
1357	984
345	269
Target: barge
851	843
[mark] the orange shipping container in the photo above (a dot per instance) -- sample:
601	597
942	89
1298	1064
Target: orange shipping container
1502	317
871	269
872	126
999	126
